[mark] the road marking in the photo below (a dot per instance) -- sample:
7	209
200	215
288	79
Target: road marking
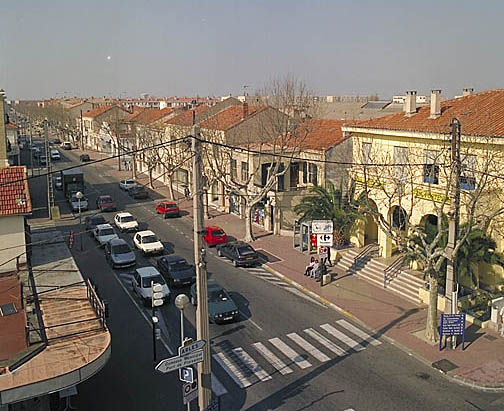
217	386
253	323
310	349
273	359
290	353
325	342
358	332
303	295
235	373
252	364
342	337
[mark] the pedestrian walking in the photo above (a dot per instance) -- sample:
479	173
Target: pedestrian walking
186	192
501	316
309	266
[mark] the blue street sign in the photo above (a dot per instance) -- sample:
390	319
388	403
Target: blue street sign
186	374
452	324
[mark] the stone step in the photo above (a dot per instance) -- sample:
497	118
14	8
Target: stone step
409	295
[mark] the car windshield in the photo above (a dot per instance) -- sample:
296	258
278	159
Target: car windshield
106	199
121	249
127	219
218	232
149	239
107	231
179	265
146	281
76	200
98	220
246	250
218	295
171	205
128	182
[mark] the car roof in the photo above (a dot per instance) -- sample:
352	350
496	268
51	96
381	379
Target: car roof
146	232
102	226
239	243
147	271
214	285
117	241
174	258
97	216
105	196
124	214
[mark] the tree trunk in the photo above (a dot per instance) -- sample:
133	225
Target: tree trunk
170	189
249	234
431	328
150	178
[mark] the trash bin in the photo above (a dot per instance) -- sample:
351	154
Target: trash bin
326	279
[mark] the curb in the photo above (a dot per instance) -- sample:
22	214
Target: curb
459	380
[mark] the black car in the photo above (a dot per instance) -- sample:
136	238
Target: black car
221	307
176	270
84	157
138	192
239	252
93	220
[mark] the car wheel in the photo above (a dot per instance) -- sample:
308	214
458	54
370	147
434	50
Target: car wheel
235	263
219	252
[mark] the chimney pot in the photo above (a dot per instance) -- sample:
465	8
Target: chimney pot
410	103
435	104
467	91
245	110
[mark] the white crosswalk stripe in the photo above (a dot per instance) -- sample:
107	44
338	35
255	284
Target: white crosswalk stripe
310	349
234	372
342	337
325	342
358	332
272	359
251	364
290	353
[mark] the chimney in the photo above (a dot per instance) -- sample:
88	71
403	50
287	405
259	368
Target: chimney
3	132
245	110
435	103
467	91
410	103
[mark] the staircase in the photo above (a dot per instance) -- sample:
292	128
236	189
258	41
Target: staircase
361	262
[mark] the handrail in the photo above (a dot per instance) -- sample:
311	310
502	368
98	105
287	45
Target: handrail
393	270
365	252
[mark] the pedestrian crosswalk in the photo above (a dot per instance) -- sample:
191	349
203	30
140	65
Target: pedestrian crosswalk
295	351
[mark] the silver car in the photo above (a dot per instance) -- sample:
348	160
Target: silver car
104	233
119	254
74	203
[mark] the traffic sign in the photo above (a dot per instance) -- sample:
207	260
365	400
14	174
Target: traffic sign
325	240
189	391
196	345
174	363
186	374
322	227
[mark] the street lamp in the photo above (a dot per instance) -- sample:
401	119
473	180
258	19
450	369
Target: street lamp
181	302
79	196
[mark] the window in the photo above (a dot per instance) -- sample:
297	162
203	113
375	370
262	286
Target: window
244	171
399	218
401	159
467	179
294	175
431	168
310	174
234	172
366	153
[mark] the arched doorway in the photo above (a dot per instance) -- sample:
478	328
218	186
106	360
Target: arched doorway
369	227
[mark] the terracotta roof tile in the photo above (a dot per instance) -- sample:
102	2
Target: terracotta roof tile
149	116
230	117
320	134
481	114
185	118
11	126
14	192
97	111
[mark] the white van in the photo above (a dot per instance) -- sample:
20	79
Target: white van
66	145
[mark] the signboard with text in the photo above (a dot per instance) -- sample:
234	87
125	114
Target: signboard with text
322	227
452	325
174	363
325	240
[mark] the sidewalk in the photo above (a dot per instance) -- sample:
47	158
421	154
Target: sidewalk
481	365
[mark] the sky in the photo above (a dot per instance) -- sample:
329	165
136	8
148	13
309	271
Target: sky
123	48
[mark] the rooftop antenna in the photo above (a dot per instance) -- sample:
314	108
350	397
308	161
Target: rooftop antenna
245	87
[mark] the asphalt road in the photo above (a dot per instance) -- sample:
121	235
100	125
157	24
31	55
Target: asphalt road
286	352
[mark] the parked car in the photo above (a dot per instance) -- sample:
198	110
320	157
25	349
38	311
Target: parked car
56	141
94	220
103	233
214	235
221	307
127	184
147	242
176	270
142	283
105	203
42	160
119	254
84	157
138	192
75	203
168	209
125	222
239	252
58	183
35	152
55	155
66	145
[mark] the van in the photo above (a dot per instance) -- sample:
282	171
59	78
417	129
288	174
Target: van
66	145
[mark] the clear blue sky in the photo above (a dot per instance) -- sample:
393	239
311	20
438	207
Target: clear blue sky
213	47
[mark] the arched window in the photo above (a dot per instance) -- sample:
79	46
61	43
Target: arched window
399	218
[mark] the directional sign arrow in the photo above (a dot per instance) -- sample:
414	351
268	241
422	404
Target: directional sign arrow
174	363
196	345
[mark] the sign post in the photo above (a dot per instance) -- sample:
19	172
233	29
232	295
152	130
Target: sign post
174	363
452	325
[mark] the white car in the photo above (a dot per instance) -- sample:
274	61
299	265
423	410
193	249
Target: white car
147	242
127	184
125	222
142	283
75	203
103	233
55	155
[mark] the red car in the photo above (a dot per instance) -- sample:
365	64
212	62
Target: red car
105	203
214	235
168	209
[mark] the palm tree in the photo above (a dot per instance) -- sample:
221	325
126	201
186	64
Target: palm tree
329	204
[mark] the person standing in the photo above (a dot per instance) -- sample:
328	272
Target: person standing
501	317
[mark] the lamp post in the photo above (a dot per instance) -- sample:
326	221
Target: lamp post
79	196
181	302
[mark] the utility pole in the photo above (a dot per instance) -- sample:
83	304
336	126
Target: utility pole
451	288
202	327
50	191
81	132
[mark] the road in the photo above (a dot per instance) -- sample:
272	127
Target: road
286	352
